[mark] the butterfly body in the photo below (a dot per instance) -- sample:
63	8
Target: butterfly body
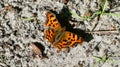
57	35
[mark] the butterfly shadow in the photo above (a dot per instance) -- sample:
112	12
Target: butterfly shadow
64	17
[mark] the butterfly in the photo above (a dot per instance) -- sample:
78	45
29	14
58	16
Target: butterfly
57	35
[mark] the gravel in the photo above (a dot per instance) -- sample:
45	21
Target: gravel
22	23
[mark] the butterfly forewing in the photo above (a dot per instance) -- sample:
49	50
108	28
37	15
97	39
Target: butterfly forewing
52	21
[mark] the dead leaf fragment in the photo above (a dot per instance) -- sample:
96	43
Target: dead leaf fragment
65	1
38	49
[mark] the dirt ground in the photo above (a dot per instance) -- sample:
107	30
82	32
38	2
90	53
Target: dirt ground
23	42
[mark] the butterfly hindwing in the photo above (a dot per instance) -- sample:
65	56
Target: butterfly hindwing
68	40
49	35
73	38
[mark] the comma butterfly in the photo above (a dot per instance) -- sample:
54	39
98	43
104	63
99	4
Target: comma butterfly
57	35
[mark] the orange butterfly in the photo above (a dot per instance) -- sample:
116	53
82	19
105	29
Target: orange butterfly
57	35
